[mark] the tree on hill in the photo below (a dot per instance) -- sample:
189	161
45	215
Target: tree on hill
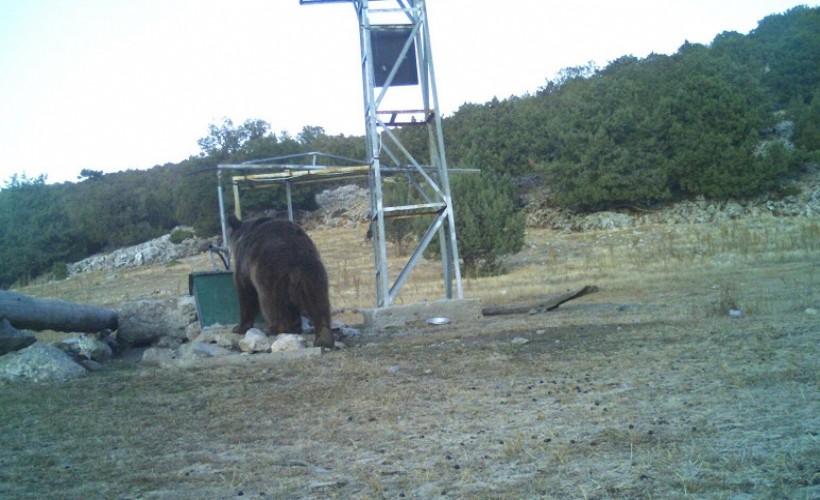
32	230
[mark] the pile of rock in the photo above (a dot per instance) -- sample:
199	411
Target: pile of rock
157	251
217	345
166	331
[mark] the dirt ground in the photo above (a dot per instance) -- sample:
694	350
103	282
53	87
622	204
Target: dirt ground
647	389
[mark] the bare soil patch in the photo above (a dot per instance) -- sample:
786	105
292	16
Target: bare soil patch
647	388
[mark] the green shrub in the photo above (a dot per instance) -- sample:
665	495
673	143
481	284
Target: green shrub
180	235
489	223
59	270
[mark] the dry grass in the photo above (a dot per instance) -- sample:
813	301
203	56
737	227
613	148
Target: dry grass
647	389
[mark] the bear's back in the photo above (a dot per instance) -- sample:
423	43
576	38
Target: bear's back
267	237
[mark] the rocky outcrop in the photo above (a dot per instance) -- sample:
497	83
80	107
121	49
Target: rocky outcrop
157	251
803	200
345	206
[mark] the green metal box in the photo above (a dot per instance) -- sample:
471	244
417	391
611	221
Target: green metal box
215	295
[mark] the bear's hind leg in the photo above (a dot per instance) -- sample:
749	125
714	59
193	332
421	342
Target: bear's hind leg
319	315
309	292
281	317
248	306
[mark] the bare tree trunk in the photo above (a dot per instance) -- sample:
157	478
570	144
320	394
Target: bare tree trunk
30	313
543	305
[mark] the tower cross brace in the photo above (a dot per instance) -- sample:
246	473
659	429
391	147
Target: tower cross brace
396	57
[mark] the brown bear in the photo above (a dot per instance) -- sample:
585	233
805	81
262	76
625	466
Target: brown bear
277	269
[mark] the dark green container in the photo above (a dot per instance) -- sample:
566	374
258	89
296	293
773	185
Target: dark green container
215	295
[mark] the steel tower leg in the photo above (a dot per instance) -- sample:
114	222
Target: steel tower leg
386	153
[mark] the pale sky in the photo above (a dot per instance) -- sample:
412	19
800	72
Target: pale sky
128	84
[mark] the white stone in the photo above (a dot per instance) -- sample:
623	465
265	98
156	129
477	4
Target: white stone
287	342
254	340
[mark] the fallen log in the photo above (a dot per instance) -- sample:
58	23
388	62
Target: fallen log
542	305
30	313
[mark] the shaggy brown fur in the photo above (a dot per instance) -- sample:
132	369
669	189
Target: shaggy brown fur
278	270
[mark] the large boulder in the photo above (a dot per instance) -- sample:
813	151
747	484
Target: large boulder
39	362
12	339
145	322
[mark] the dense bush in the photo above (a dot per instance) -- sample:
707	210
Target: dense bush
489	222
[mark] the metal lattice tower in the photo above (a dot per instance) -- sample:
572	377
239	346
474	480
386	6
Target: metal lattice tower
397	67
